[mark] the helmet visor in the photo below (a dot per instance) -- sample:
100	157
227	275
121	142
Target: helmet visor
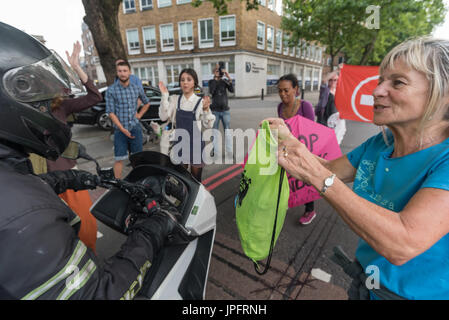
43	80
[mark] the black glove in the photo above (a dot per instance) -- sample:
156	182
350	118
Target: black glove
60	181
157	226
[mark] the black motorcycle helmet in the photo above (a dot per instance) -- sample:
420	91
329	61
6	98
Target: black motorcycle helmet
31	76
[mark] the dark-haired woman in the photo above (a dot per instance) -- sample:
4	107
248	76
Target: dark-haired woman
189	113
291	106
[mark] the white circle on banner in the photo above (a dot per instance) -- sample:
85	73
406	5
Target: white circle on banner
354	94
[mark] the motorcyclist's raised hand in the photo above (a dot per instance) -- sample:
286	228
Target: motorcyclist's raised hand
74	61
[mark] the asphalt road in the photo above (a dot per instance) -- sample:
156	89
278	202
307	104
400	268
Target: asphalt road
299	249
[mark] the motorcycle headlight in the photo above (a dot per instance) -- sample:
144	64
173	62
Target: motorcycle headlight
43	80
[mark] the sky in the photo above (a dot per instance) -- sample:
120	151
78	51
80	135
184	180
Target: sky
59	21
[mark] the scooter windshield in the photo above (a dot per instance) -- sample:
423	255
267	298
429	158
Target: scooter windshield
156	158
43	80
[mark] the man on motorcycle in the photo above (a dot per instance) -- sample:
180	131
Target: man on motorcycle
41	256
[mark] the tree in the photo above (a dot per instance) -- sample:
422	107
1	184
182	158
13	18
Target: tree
399	21
343	26
102	20
329	22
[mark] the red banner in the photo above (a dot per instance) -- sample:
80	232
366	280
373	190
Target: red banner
354	96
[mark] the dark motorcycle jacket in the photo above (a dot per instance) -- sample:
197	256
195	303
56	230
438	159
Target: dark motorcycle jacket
217	89
41	256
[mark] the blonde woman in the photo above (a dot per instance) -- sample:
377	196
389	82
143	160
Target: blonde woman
399	202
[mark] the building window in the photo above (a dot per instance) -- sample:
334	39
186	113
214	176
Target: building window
206	33
285	44
185	30
167	38
270	38
279	41
260	35
271	4
132	36
319	54
149	39
303	48
129	6
227	31
148	74
263	2
146	5
173	72
183	1
273	69
313	53
163	3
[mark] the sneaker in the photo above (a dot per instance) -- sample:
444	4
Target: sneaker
307	217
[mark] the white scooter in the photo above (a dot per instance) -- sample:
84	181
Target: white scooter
181	268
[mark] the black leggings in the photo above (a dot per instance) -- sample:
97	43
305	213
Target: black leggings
310	206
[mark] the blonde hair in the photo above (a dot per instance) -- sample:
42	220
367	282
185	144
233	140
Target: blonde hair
431	57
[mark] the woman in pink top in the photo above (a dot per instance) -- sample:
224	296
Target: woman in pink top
289	107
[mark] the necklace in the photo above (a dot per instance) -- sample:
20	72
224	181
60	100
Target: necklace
293	111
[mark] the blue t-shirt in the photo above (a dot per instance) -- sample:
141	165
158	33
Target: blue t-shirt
391	183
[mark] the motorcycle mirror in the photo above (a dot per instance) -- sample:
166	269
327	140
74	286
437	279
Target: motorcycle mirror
76	150
72	151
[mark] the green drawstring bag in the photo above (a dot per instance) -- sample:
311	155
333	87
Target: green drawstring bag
262	201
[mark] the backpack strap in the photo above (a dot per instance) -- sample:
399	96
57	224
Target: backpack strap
267	266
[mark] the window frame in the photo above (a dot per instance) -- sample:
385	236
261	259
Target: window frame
261	46
285	46
183	1
132	51
147	7
128	11
163	6
232	42
280	41
165	48
150	50
181	45
205	45
273	38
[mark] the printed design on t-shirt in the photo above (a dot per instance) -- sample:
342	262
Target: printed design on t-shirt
364	181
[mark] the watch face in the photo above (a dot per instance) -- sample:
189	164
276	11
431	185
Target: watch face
328	181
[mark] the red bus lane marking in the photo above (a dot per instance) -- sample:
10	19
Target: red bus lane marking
220	173
223	180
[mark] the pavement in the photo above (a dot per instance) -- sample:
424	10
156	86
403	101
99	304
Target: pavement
301	267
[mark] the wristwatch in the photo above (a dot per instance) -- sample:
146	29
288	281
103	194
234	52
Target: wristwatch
328	182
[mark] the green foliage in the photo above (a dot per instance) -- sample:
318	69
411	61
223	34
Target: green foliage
342	25
221	6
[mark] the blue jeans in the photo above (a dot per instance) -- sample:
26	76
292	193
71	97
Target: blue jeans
225	118
123	144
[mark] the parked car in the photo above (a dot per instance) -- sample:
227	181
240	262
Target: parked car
173	88
97	115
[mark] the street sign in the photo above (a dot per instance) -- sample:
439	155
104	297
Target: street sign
353	98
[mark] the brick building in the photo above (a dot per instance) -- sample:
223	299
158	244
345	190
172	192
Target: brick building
164	36
92	64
